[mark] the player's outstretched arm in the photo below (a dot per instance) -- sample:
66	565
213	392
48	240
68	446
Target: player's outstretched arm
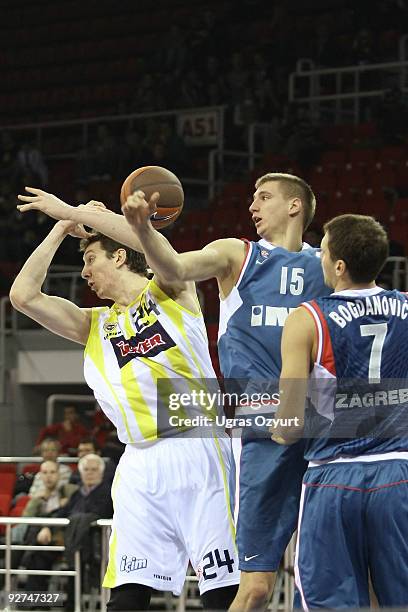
297	349
94	214
56	314
219	259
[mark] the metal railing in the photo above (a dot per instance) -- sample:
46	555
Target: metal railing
8	547
399	273
348	86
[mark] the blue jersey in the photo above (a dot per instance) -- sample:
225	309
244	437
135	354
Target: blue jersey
359	384
272	283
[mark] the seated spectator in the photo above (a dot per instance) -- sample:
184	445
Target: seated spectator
50	449
47	500
53	495
68	432
102	428
92	498
88	446
31	162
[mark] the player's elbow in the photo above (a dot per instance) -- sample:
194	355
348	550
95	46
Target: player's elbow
288	430
19	298
176	272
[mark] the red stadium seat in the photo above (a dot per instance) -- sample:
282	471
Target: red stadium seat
31	468
381	176
9	468
7	482
362	157
212	331
5	502
351	177
334	158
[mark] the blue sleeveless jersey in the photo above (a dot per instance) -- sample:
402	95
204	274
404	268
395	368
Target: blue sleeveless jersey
273	282
359	385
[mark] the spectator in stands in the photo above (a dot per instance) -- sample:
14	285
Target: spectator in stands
50	449
52	495
31	162
303	143
50	498
68	433
391	114
92	498
99	160
8	158
88	446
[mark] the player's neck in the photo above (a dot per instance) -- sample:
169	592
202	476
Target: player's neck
289	239
128	291
347	285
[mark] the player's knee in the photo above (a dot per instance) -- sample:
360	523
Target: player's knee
257	590
258	596
129	597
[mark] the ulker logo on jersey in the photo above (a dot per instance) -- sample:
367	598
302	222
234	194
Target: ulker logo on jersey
147	343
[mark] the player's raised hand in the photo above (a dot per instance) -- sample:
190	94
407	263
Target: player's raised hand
76	230
138	210
44	202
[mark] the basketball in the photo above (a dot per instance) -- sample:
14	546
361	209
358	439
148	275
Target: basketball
154	178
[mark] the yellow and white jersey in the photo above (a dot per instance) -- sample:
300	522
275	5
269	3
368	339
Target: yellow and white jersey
155	338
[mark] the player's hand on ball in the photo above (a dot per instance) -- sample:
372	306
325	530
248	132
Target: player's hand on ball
138	211
44	202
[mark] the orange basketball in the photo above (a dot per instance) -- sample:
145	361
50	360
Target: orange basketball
154	178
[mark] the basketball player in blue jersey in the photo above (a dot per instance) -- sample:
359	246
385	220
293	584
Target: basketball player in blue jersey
354	508
259	282
163	515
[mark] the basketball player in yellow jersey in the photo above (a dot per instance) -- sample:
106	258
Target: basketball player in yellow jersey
170	495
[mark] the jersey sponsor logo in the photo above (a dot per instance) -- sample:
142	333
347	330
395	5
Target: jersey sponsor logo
142	347
272	316
132	564
148	343
251	557
111	330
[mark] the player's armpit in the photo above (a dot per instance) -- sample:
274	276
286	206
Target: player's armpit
184	293
58	315
219	259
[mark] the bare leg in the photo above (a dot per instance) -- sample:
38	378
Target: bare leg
254	593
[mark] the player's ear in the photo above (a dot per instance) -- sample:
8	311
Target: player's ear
295	206
120	257
340	267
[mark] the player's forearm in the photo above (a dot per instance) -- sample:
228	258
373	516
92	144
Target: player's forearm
160	255
28	282
108	223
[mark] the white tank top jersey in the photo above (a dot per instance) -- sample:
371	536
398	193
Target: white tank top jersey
128	352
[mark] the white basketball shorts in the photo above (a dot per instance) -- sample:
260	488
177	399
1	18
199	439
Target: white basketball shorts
171	505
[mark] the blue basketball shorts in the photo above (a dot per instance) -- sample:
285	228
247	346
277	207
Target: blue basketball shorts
270	482
353	520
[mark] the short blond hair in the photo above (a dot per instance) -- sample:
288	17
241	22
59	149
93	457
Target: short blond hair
294	187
